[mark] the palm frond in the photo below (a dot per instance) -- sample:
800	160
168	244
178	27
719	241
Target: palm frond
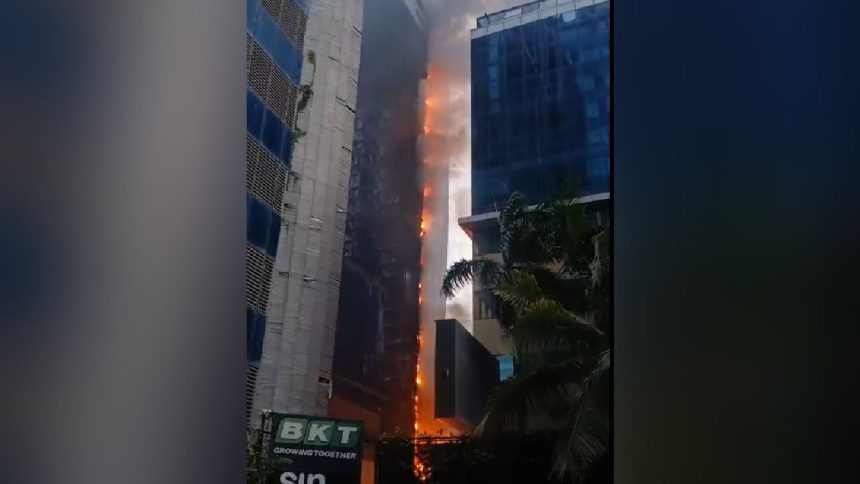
583	439
602	367
541	387
517	288
513	212
581	442
511	225
600	280
557	319
506	314
464	271
599	267
545	324
570	290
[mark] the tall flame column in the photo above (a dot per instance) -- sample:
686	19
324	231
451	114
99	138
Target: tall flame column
433	227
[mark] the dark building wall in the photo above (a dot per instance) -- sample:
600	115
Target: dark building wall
540	108
465	374
375	342
362	303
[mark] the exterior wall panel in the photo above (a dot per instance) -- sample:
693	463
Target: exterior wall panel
375	342
465	375
295	370
273	65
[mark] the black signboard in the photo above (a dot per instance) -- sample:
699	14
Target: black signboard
320	450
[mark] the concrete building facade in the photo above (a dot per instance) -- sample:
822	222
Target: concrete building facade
274	41
298	345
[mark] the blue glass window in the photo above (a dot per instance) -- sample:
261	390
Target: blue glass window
268	128
273	132
282	51
540	109
255	329
506	367
263	227
255	109
251	7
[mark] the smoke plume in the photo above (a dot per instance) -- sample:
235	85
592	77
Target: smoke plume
450	23
446	153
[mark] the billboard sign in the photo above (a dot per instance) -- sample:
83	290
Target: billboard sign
321	451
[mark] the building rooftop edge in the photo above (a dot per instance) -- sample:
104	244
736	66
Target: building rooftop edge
499	16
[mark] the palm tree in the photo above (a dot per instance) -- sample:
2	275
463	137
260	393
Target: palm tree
551	291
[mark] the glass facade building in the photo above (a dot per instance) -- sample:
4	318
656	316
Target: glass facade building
274	38
540	101
540	122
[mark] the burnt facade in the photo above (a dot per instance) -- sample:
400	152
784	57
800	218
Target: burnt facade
377	324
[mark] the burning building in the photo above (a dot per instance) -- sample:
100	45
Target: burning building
409	179
375	343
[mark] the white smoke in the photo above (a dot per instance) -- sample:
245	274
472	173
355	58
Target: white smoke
449	54
446	150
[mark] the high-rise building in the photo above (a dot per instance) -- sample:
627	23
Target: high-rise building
540	101
376	346
540	121
274	41
295	368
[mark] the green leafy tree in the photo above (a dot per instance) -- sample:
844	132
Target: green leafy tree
551	294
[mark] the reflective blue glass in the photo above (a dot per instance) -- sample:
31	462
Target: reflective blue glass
506	366
251	14
273	132
266	31
540	108
258	222
273	234
270	37
263	226
255	110
255	329
267	127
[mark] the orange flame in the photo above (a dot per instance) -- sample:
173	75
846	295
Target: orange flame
419	469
